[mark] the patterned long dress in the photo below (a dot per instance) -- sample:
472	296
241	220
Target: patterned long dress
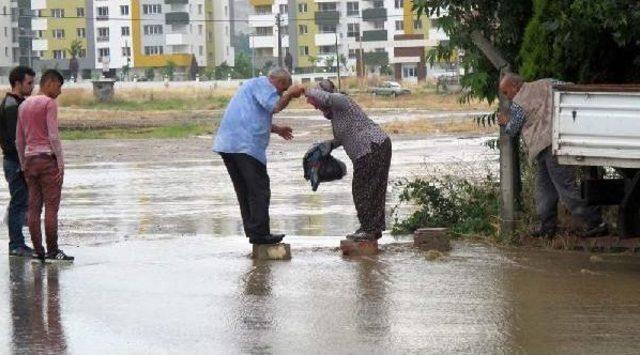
369	149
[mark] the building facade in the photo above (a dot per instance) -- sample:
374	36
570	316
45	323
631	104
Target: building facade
363	35
6	36
114	37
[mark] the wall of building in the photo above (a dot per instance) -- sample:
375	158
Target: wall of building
6	38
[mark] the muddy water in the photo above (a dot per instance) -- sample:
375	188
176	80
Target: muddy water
162	268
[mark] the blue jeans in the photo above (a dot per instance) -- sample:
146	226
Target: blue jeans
18	203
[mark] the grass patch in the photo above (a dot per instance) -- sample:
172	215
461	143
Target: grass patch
465	207
172	131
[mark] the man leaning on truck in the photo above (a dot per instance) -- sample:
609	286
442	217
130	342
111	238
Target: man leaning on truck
531	113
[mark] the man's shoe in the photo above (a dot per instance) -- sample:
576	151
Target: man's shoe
59	256
600	230
21	252
267	239
544	233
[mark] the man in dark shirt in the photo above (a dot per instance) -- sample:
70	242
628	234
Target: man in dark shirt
21	79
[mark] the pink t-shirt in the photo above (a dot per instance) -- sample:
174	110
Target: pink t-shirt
37	130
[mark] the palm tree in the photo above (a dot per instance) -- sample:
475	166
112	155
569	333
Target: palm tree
74	51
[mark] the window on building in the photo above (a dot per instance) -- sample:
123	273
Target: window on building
378	4
304	50
124	10
125	31
126	51
151	30
353	30
226	10
353	54
264	31
58	13
327	6
417	24
399	25
302	8
379	50
263	10
284	9
103	53
81	32
378	25
353	8
326	49
80	11
199	9
200	28
226	30
59	54
41	53
59	34
201	50
153	50
151	9
324	28
409	72
103	34
303	29
102	13
399	4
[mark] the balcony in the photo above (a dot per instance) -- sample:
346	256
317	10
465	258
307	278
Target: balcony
176	2
176	39
39	45
327	17
376	14
177	18
262	41
39	24
102	39
267	20
326	39
376	58
375	35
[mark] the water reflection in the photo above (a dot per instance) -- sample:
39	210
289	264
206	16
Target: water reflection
35	308
256	315
372	305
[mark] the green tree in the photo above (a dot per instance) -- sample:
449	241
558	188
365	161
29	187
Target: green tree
583	41
169	69
150	74
242	66
74	50
500	21
313	60
329	62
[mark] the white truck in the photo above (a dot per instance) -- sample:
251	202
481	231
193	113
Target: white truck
599	126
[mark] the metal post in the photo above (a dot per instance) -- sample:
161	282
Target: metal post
337	60
279	40
253	56
510	184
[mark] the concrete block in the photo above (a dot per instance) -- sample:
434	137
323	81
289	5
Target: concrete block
280	251
432	239
361	248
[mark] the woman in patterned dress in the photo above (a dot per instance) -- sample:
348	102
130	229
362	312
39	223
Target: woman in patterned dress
369	149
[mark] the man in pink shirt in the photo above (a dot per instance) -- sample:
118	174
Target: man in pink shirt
41	159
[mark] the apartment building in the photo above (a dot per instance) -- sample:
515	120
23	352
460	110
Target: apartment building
55	25
369	35
6	36
115	35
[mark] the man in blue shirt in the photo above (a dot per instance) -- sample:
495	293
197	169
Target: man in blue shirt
242	140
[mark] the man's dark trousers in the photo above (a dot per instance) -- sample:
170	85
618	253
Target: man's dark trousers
18	203
251	182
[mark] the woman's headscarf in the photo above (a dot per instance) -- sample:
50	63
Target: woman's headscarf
327	86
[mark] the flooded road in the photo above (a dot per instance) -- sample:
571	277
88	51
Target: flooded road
162	268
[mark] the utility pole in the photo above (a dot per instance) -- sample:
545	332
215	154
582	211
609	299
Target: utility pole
510	184
337	59
253	57
278	23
